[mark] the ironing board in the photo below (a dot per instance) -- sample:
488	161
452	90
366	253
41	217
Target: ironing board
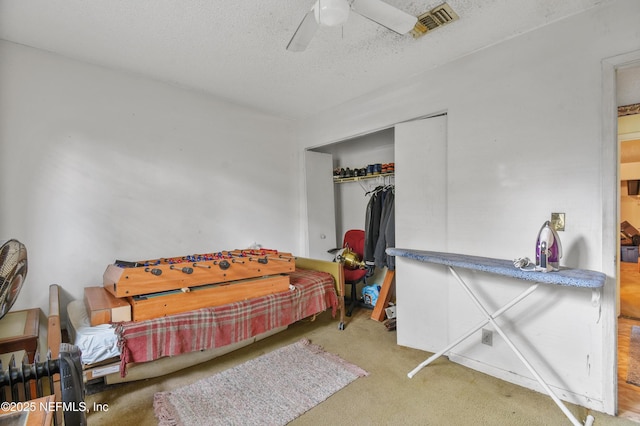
564	277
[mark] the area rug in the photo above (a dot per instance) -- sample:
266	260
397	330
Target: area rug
633	372
272	389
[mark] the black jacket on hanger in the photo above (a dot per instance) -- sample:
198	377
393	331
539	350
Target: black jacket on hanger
387	234
380	228
372	227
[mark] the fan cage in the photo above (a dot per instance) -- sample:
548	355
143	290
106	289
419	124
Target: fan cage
13	270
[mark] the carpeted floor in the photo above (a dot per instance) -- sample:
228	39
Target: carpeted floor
445	393
633	372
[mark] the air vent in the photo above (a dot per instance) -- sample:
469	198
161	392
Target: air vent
435	18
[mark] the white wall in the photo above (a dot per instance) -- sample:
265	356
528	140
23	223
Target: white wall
628	88
524	140
97	165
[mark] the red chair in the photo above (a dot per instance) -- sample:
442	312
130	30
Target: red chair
354	239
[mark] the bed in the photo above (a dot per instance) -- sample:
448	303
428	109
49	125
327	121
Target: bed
138	350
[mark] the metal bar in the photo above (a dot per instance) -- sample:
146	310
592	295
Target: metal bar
535	374
496	314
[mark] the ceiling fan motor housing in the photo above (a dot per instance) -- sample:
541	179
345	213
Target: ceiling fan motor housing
331	13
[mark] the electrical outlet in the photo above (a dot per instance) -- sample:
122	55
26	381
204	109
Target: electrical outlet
487	337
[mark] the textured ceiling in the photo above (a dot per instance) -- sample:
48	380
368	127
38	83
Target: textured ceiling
236	49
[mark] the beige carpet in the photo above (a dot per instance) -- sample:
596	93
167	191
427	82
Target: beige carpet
442	394
272	389
633	372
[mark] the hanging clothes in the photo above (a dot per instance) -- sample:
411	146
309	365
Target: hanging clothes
387	234
380	228
372	227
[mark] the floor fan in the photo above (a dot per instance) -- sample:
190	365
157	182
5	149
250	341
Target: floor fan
13	270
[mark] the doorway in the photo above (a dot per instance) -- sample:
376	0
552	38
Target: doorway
342	202
629	218
629	268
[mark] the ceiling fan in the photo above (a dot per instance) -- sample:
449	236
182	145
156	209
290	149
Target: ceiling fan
336	12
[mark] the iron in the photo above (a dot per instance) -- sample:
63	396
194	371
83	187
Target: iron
548	249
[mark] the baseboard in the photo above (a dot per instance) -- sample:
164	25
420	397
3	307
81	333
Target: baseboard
529	383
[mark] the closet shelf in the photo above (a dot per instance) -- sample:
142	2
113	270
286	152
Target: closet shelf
359	178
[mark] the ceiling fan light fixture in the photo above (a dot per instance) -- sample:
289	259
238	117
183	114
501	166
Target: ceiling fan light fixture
331	13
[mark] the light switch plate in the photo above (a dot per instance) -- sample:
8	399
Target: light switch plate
557	221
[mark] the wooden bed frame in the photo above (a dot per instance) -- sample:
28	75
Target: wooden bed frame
166	365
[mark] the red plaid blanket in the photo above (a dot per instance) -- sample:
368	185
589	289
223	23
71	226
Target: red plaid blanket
223	325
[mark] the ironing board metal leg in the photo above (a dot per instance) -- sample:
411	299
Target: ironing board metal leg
496	314
535	374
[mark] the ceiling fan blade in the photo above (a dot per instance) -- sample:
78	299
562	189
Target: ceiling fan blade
385	15
305	32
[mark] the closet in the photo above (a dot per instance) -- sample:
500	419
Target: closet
350	195
420	153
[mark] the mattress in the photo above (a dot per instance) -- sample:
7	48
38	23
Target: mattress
97	343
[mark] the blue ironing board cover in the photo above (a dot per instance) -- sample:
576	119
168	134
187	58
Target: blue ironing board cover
565	276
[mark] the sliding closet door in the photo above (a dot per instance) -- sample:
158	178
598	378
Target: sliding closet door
321	213
421	223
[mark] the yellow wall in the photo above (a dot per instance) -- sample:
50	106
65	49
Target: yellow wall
629	127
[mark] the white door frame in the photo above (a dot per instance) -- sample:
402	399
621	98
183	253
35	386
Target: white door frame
610	223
